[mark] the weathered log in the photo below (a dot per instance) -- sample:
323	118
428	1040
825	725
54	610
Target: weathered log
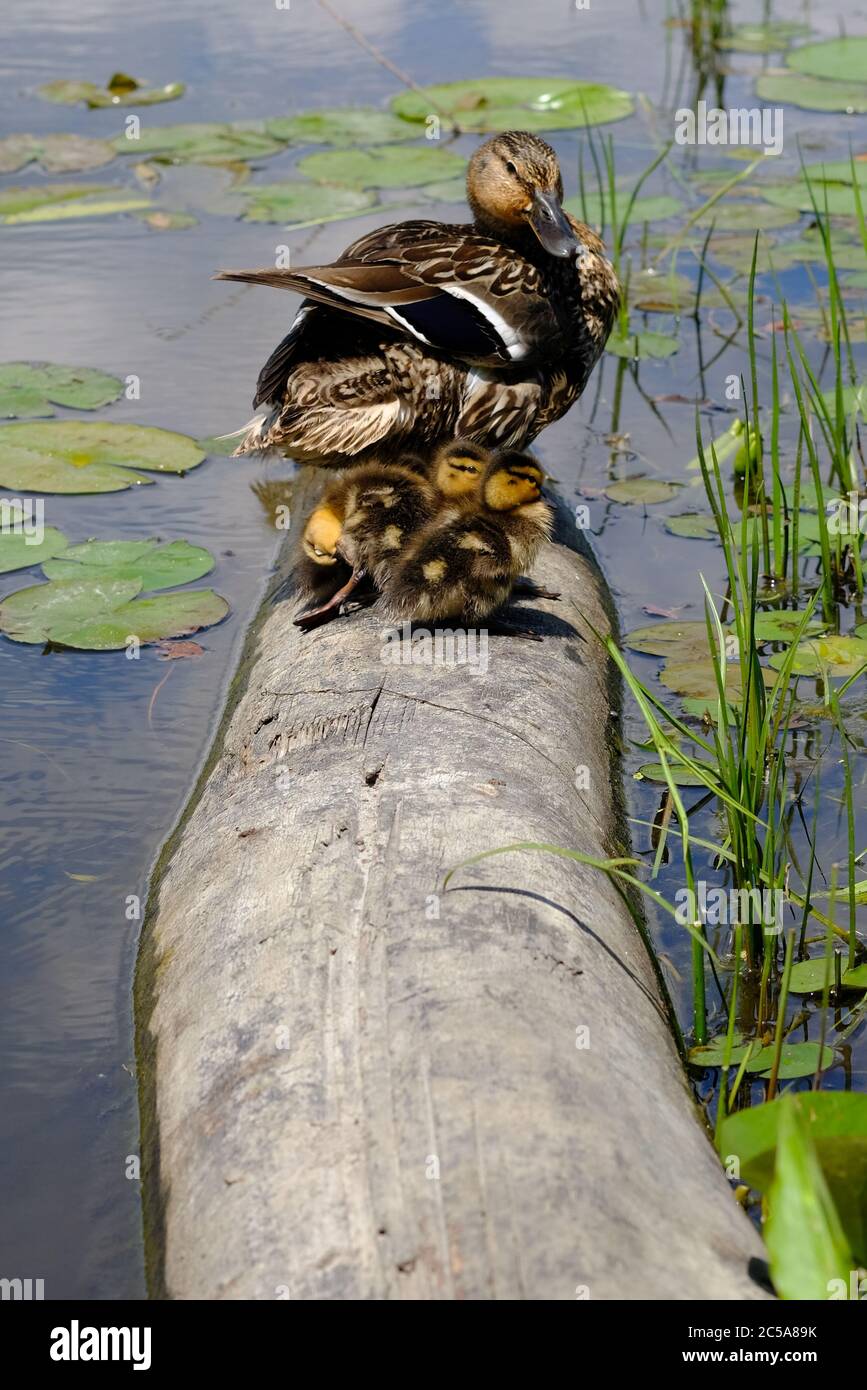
359	1085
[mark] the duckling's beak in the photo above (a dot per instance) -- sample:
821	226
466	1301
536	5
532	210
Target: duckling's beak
552	226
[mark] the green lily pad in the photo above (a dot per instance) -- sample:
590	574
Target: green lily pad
33	388
713	1053
384	166
836	1121
678	640
72	457
698	526
645	490
844	60
101	614
680	776
56	211
808	976
294	201
707	708
635	345
856	978
796	1059
661	292
834	656
120	90
21	545
658	208
201	143
517	103
57	154
736	217
763	38
782	626
340	125
813	93
446	191
837	198
697	679
156	566
22	199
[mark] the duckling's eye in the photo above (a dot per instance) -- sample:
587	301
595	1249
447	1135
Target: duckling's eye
510	168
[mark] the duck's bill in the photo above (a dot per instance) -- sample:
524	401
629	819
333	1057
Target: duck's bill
553	227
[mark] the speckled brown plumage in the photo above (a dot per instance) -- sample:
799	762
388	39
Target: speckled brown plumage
422	330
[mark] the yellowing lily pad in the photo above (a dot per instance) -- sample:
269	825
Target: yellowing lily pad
341	125
682	641
57	211
23	542
296	201
384	166
697	679
58	154
155	566
644	490
120	90
834	656
635	345
72	457
34	388
100	614
517	103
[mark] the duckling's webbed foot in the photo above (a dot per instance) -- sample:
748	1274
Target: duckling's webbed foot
315	617
528	588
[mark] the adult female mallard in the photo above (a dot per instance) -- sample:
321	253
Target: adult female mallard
423	330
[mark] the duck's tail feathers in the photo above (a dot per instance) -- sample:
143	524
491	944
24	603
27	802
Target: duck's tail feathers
255	433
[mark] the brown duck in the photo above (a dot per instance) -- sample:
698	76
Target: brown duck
423	330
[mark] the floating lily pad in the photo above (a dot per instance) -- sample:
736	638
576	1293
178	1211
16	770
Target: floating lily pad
677	640
384	166
58	154
707	708
713	1053
517	103
808	976
697	679
644	490
120	90
156	566
658	208
22	199
201	143
642	345
448	191
55	210
661	292
834	656
697	526
796	1059
680	776
763	38
856	978
160	221
21	545
813	93
102	614
34	388
297	201
341	125
72	457
735	217
844	60
783	625
837	199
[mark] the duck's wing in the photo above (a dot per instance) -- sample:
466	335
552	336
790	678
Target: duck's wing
448	287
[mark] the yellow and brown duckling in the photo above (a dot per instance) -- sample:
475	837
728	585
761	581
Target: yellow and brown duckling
467	561
487	330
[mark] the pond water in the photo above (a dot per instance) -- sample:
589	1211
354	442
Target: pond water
99	752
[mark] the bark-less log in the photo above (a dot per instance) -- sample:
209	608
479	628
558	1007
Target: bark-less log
357	1085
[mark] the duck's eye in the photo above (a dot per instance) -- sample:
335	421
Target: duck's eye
510	168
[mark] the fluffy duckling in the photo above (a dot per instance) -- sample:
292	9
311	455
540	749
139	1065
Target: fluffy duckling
466	562
366	519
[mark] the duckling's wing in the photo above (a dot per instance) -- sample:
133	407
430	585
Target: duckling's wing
448	287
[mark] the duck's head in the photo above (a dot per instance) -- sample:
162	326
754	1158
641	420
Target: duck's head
321	536
514	184
459	467
513	480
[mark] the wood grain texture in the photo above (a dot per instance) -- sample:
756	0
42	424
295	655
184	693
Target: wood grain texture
357	1085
